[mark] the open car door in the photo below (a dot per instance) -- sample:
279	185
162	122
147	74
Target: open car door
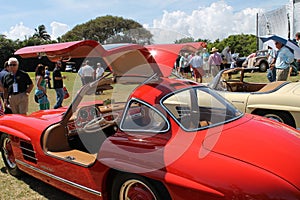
165	54
122	59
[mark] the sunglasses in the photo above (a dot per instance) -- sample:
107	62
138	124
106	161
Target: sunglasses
12	65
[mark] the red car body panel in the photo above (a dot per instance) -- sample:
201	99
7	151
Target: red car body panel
263	148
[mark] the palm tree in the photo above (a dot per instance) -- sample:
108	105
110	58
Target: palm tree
41	33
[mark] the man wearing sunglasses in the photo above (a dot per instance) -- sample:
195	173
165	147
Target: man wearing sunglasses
17	87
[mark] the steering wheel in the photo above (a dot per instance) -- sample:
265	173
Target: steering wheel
100	123
228	86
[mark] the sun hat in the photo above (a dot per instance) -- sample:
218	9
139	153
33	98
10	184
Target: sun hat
214	49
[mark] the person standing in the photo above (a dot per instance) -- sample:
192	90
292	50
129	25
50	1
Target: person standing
214	61
177	63
227	58
47	77
99	71
58	84
86	73
2	108
297	38
283	61
205	56
40	91
197	66
3	73
297	41
271	55
17	87
183	65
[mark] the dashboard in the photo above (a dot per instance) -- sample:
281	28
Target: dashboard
84	115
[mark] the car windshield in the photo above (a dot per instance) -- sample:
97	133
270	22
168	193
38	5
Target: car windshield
199	107
106	92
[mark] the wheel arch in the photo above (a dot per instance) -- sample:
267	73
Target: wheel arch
13	132
259	111
113	173
170	180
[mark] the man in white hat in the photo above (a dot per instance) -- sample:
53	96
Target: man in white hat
17	87
214	61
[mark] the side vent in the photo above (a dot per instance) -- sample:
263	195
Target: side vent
28	152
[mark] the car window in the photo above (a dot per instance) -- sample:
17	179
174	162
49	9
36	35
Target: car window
143	118
199	107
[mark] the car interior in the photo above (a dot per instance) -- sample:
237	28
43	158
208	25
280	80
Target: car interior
79	140
231	83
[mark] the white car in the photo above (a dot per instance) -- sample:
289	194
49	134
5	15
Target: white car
70	67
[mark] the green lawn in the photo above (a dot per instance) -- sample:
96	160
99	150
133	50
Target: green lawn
72	81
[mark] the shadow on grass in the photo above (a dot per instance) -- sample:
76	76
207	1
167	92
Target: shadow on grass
3	170
43	189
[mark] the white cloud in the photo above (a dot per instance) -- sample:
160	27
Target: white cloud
19	31
216	21
58	29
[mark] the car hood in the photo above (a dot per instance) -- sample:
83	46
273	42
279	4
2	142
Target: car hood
269	145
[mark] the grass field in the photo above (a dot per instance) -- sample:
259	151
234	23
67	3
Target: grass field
30	188
69	82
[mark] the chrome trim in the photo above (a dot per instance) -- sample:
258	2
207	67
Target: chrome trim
143	130
33	158
26	149
81	187
201	128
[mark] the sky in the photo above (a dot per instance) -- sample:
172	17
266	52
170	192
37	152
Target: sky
168	20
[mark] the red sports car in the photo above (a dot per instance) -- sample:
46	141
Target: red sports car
153	138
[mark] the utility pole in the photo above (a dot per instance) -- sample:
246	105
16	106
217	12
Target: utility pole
257	40
289	26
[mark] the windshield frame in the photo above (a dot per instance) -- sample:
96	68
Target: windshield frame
214	94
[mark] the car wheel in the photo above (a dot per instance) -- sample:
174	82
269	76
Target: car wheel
279	116
130	186
8	156
263	66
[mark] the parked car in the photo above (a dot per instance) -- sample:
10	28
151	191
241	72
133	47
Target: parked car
276	100
70	67
238	60
151	138
257	60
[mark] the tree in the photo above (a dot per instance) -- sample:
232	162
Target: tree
110	29
244	44
41	33
184	40
7	49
